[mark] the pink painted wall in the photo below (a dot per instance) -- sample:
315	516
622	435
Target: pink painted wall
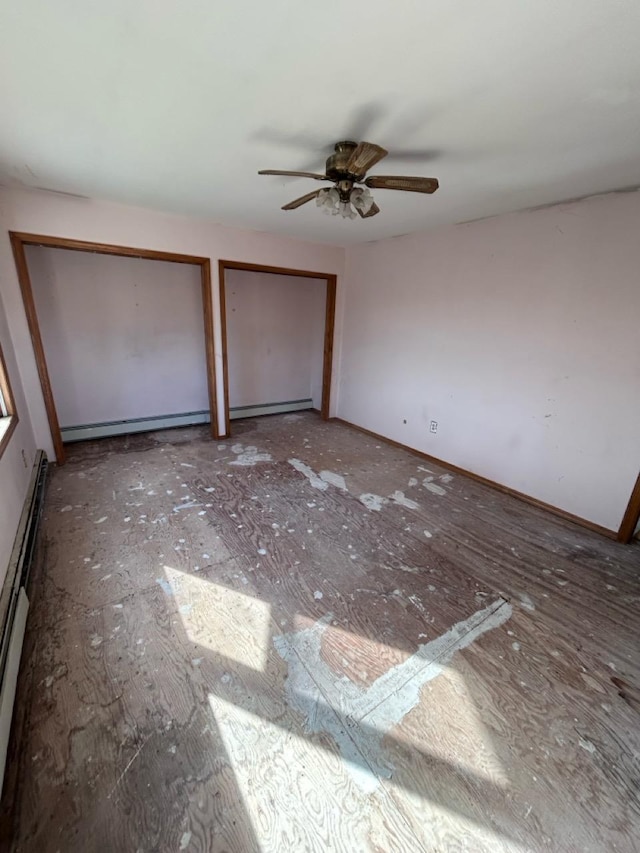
123	337
275	336
51	214
17	460
519	336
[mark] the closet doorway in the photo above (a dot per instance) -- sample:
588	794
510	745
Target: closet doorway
277	339
122	343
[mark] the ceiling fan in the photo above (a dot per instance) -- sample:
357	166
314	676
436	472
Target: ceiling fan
347	168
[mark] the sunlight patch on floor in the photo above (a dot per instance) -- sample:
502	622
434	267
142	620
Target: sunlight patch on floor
296	784
234	626
446	724
293	782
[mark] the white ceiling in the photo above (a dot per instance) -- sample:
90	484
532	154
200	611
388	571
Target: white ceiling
176	105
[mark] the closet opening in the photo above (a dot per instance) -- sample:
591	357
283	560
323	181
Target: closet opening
123	337
277	339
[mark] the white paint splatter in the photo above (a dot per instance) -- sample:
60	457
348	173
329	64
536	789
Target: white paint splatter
515	647
418	604
446	478
66	508
247	457
399	498
96	640
587	745
262	551
310	474
412	570
412	481
433	487
428	534
317	595
190	505
100	520
334	479
373	502
185	840
526	602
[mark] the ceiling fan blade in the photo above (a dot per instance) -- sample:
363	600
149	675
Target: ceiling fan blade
401	182
364	157
294	174
371	212
300	201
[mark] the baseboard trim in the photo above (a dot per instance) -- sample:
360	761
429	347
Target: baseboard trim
507	490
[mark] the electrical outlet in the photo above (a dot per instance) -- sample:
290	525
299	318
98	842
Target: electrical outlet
433	426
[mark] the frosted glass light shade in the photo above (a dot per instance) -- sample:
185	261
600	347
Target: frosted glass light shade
328	200
362	199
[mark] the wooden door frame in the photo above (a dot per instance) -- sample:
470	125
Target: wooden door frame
20	239
329	327
631	516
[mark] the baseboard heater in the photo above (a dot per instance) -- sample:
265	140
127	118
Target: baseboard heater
269	408
126	427
14	602
86	432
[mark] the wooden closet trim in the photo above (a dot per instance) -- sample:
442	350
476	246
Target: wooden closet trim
21	239
631	516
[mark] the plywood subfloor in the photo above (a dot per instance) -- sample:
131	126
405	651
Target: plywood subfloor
301	639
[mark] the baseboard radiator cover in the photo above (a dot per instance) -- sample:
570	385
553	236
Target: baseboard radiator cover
236	412
14	602
85	432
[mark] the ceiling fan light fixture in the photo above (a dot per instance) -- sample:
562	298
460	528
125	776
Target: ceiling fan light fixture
347	203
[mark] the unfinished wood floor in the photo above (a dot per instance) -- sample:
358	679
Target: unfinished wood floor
300	639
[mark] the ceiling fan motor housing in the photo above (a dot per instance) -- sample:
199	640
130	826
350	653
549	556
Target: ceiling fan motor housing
337	163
